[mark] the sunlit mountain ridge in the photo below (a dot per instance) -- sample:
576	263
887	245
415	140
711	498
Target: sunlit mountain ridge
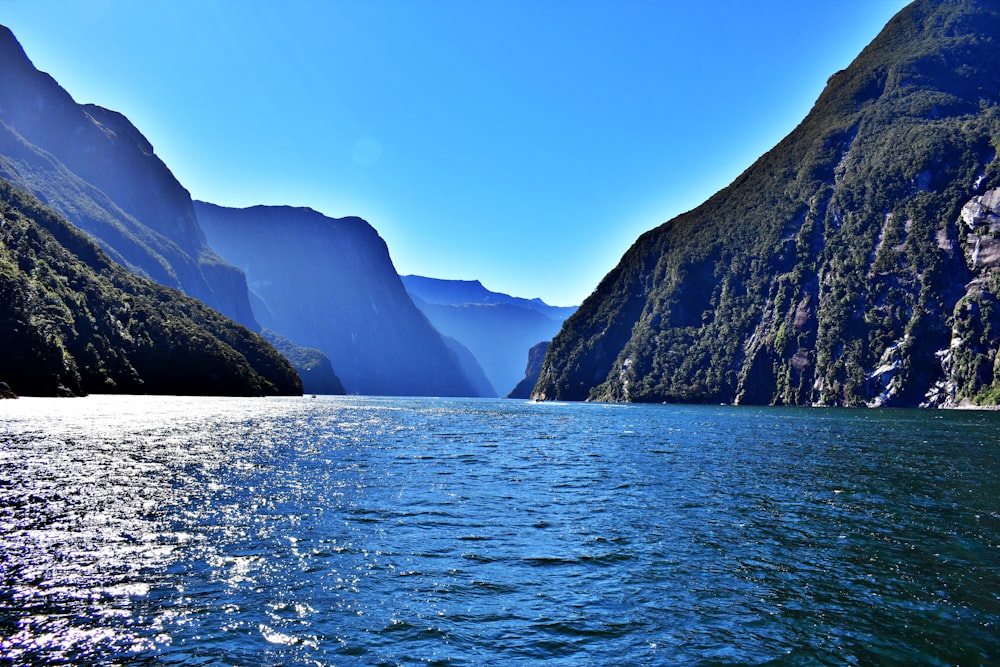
856	263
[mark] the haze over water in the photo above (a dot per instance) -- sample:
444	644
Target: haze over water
375	531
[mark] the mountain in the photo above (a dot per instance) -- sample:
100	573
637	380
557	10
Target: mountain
536	356
95	168
313	366
74	321
330	284
460	292
497	328
856	263
467	361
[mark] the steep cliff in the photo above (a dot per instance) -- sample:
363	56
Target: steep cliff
497	328
330	284
74	321
853	264
536	356
95	168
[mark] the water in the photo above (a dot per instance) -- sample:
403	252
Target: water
361	531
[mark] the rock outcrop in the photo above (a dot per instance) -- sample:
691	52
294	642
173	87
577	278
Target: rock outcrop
314	367
531	372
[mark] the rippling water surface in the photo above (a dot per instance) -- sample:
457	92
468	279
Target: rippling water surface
361	531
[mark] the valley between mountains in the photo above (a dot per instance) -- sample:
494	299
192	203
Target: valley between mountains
857	263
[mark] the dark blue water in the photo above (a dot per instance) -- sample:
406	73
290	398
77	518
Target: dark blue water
358	531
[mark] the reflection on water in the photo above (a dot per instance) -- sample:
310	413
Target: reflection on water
411	531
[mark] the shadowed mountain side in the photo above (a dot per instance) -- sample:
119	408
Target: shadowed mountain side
72	320
330	284
531	372
96	169
313	366
471	368
856	263
499	335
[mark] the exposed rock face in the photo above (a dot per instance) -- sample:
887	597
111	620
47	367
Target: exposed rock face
73	322
497	328
330	284
853	264
95	168
531	372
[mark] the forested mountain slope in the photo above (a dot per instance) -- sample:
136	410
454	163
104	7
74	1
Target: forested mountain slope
96	169
856	263
73	320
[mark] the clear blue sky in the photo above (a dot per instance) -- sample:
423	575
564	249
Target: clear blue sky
525	143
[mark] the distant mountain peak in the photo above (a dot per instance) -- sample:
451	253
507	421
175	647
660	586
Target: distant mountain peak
497	328
458	292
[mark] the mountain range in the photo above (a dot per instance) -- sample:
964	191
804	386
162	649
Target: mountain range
324	291
499	329
330	284
855	263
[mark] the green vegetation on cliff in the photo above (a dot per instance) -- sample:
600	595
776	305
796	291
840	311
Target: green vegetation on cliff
856	263
73	319
313	366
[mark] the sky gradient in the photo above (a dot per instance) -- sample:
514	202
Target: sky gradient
526	144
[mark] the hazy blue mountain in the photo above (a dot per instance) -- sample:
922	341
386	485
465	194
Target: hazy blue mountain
471	368
459	292
531	372
498	329
95	168
856	263
74	321
330	284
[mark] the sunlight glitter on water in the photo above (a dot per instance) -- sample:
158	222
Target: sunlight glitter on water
396	531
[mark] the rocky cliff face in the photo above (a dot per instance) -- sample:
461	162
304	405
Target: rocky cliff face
853	264
95	168
330	284
72	321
